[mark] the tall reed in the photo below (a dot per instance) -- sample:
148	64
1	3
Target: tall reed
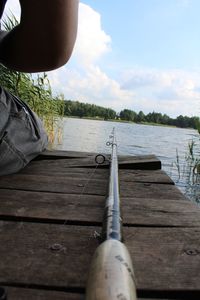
189	171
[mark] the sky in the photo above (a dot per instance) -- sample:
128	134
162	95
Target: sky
142	55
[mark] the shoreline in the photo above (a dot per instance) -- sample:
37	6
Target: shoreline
128	122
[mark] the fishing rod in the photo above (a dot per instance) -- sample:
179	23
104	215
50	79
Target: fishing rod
111	275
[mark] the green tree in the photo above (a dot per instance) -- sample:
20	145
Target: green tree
128	115
141	117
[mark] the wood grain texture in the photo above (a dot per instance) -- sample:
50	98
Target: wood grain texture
51	216
148	176
29	256
154	212
63	184
59	169
149	190
59	154
56	207
59	184
52	206
59	256
35	294
168	258
146	162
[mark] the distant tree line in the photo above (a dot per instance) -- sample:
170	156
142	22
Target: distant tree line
86	110
79	109
158	118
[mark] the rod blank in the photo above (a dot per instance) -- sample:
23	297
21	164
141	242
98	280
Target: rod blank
111	275
112	222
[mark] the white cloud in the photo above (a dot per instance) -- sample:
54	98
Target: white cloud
82	79
94	86
92	42
144	77
171	91
137	78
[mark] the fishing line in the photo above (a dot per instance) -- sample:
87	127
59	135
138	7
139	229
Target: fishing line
99	160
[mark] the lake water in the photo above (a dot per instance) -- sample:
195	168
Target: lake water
169	144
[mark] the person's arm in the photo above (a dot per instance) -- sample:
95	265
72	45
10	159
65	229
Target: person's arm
45	37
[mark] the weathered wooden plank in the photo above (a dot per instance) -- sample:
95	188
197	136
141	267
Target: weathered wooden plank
86	161
146	162
156	212
87	186
151	176
45	254
149	190
71	208
58	256
59	154
165	257
56	185
51	206
59	169
34	294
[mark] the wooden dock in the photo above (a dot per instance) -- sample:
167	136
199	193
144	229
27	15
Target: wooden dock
50	224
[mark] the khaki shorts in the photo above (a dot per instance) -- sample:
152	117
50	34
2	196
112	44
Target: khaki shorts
22	136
